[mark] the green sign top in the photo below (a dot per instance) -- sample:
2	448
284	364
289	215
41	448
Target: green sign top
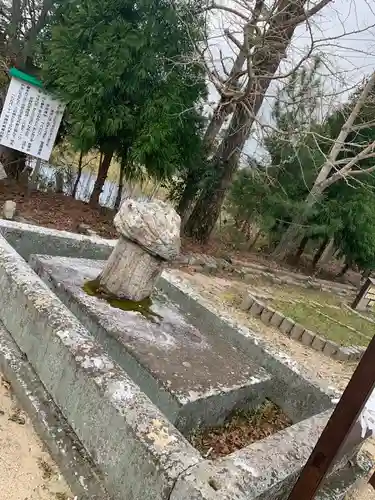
16	73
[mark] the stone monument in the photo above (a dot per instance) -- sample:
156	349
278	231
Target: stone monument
149	237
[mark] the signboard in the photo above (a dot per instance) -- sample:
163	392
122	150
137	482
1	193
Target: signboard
30	119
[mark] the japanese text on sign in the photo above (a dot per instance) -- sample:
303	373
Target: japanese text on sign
30	119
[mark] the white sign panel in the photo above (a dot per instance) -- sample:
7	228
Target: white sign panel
30	119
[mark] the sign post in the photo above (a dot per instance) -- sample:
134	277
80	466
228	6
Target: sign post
30	117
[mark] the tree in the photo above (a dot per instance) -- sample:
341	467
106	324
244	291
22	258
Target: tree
136	88
273	192
267	35
348	158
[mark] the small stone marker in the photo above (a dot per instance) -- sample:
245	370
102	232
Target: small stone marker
9	209
149	237
366	296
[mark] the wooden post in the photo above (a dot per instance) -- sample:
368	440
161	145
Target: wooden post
338	427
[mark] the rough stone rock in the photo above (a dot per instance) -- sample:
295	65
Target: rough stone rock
246	303
330	348
307	337
343	354
276	319
286	325
9	209
153	225
318	343
266	315
297	331
149	236
257	308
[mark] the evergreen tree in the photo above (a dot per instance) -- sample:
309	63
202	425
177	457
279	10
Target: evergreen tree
128	74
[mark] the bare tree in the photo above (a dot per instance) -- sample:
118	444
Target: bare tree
266	31
335	169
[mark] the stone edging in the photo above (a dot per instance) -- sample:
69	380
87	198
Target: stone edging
297	332
208	264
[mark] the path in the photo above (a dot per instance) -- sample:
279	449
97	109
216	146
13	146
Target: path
222	293
27	472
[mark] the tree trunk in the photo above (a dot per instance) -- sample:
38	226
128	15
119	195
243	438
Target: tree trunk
188	197
254	241
14	162
207	209
34	176
366	274
79	175
224	106
59	182
101	178
320	252
120	187
300	249
265	62
344	270
291	239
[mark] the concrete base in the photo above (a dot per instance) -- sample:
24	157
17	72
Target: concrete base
83	476
137	452
193	378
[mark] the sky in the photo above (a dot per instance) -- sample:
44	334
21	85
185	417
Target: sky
344	32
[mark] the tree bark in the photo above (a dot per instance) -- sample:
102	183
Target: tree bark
79	175
344	270
320	252
224	106
188	197
120	187
14	162
254	240
300	249
101	178
265	61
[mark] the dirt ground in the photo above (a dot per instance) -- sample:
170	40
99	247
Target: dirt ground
220	293
62	212
56	211
27	472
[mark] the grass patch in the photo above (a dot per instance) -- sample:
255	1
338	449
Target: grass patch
325	319
320	311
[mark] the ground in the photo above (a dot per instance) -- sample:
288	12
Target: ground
325	313
27	472
57	210
219	291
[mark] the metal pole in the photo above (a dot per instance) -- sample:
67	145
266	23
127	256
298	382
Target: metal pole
338	427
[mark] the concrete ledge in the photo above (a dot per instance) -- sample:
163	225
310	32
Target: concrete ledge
28	239
139	453
79	470
294	389
257	473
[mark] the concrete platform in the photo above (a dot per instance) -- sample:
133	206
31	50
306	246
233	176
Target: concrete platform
134	449
192	377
